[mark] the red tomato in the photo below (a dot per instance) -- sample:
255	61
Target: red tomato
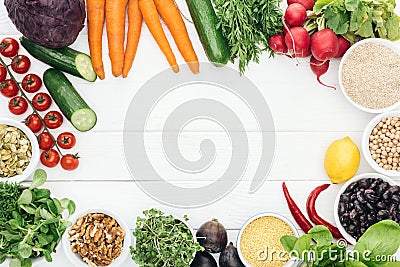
70	162
20	64
9	47
31	83
34	123
66	140
50	158
45	141
41	101
53	119
3	73
18	105
9	88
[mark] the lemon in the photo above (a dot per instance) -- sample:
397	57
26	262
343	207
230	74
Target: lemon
342	160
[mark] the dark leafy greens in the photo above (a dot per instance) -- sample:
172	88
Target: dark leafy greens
35	225
373	249
9	194
247	25
162	241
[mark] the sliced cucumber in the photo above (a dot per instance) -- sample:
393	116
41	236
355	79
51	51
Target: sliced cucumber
71	104
64	59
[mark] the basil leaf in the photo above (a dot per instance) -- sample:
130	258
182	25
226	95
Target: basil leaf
380	240
39	178
24	250
288	242
26	197
321	235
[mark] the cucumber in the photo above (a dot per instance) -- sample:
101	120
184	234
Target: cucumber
64	59
206	22
69	101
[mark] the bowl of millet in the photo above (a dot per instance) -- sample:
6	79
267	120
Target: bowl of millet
381	143
369	75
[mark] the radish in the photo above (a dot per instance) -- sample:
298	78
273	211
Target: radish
295	15
308	4
277	44
344	45
320	68
297	36
324	45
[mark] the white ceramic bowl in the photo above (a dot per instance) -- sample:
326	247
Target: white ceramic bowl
76	259
35	151
389	44
265	214
365	143
346	235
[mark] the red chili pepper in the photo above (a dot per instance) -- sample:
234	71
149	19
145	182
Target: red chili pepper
298	216
312	212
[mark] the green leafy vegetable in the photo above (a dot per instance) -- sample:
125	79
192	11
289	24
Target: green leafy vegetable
247	25
32	221
163	241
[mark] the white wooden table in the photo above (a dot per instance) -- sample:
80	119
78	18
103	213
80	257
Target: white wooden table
308	117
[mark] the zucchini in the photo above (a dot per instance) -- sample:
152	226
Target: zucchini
206	22
64	59
71	104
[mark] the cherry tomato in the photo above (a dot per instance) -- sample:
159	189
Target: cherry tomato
53	119
70	162
41	101
45	141
31	83
33	122
9	47
20	64
66	140
50	158
9	88
18	105
3	73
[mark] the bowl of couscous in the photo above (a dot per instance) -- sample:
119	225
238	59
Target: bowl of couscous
258	241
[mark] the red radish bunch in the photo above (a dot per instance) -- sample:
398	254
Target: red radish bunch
296	42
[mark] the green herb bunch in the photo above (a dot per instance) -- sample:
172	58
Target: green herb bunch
162	241
375	247
247	25
35	222
9	194
358	19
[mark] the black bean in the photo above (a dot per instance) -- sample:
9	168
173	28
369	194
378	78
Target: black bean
353	214
393	208
341	208
350	206
396	198
370	181
360	208
360	197
362	219
363	183
352	186
351	229
371	198
380	189
370	207
362	230
386	195
353	197
383	215
394	189
371	218
345	198
374	185
381	205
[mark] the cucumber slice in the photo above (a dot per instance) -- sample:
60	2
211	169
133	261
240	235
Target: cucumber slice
84	66
84	119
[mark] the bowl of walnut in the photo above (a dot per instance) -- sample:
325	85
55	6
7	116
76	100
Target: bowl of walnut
97	238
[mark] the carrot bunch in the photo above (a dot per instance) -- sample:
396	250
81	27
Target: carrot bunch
113	12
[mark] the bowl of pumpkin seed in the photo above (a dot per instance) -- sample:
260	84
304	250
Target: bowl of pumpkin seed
19	151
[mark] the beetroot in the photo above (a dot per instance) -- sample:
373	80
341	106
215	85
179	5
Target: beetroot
320	68
324	44
300	38
277	44
295	15
344	45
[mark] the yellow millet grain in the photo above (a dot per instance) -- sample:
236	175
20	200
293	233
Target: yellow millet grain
263	234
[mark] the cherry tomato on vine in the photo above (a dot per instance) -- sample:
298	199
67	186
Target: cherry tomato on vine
70	162
34	123
53	119
66	140
20	64
18	105
50	158
41	101
45	141
9	88
31	83
9	47
3	73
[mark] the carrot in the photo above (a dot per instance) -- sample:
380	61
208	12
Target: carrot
135	19
172	17
95	31
152	20
115	18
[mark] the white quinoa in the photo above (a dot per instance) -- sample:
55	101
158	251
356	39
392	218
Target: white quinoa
371	76
263	234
